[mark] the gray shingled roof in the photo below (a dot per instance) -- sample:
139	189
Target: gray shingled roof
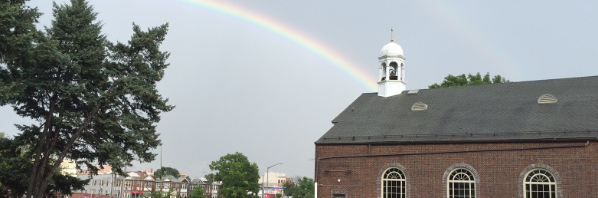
497	112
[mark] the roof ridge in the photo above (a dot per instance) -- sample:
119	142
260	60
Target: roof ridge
511	82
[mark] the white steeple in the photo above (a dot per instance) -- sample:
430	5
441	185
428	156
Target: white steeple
392	70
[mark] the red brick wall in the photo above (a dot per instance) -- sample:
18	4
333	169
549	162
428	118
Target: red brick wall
499	172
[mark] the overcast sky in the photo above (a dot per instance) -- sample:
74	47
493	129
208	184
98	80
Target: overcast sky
239	87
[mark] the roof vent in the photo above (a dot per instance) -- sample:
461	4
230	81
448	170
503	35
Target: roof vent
412	92
547	99
419	106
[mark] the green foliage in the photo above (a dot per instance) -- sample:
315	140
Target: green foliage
161	172
210	176
198	193
237	174
15	166
65	184
13	169
278	195
288	188
161	194
462	80
94	101
17	35
304	188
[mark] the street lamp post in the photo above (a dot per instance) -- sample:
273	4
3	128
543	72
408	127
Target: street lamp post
267	179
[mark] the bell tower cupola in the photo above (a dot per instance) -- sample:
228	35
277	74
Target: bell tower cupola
392	69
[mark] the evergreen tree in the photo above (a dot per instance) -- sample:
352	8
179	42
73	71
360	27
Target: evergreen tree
14	169
15	166
17	35
95	102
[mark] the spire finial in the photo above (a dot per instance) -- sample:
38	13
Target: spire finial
391	39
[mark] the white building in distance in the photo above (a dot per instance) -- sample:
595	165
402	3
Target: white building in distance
273	179
68	167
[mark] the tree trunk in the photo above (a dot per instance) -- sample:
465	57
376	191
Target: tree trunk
40	182
35	176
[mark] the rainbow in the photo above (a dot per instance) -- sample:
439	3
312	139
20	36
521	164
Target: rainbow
308	43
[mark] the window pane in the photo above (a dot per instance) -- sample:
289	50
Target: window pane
393	183
461	184
540	184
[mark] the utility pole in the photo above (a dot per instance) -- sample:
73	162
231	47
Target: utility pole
161	162
161	170
267	179
204	171
112	178
124	177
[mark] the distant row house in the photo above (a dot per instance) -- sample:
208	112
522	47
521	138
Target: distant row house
136	184
210	188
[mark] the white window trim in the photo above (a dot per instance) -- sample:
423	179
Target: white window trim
403	180
471	181
525	182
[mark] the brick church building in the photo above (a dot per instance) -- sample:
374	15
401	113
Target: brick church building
534	139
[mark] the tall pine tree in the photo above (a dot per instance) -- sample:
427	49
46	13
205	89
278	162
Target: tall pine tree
95	102
17	35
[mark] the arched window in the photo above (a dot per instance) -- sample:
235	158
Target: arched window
393	183
539	183
461	184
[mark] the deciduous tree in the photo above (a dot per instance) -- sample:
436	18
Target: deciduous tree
198	193
161	194
161	172
288	188
462	80
237	174
210	176
305	188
